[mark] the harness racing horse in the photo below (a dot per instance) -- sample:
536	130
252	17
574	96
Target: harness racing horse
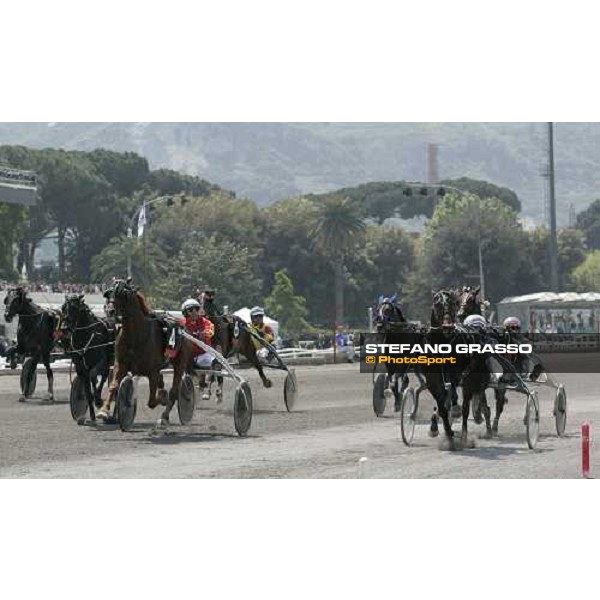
469	303
474	385
91	347
390	320
232	336
139	350
35	333
443	380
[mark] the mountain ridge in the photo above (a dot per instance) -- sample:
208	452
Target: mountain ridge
270	161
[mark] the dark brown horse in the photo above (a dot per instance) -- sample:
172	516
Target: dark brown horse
140	350
233	336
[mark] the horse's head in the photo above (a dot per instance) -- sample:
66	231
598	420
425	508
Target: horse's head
128	301
444	308
388	312
469	302
72	309
125	297
14	303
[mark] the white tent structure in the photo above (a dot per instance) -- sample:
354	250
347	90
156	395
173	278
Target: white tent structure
244	313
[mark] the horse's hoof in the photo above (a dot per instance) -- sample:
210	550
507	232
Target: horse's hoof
456	412
48	400
388	394
433	433
268	383
219	396
162	396
22	399
81	421
162	423
205	396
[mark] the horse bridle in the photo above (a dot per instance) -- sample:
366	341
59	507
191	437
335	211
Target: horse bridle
445	299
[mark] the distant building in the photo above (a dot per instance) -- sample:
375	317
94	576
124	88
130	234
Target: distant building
548	312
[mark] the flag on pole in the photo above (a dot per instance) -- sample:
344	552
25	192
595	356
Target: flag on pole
142	220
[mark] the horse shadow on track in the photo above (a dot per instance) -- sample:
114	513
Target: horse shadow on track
42	402
170	438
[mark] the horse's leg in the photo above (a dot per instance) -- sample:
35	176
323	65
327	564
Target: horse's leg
119	371
443	411
50	375
216	366
487	413
103	370
500	402
203	385
88	387
400	393
173	393
265	380
161	393
466	409
153	381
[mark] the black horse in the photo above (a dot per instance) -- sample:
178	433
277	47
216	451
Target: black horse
443	380
36	333
389	320
90	345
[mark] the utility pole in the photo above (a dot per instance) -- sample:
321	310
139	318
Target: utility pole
432	164
553	238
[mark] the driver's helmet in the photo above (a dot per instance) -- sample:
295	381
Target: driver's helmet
476	322
257	312
513	323
189	304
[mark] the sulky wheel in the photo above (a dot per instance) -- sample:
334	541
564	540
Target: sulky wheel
186	401
378	394
290	390
28	377
242	408
77	400
408	415
532	419
126	403
560	410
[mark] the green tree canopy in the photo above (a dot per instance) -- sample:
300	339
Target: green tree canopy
485	189
449	250
148	262
571	253
205	260
337	229
586	277
588	221
289	309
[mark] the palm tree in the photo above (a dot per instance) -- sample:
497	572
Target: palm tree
148	262
337	227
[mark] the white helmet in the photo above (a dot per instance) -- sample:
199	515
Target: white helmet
188	304
257	311
512	323
475	321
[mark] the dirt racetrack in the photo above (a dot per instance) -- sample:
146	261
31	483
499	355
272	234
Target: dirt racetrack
331	428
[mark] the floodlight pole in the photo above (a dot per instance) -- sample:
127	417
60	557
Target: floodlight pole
135	216
553	237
